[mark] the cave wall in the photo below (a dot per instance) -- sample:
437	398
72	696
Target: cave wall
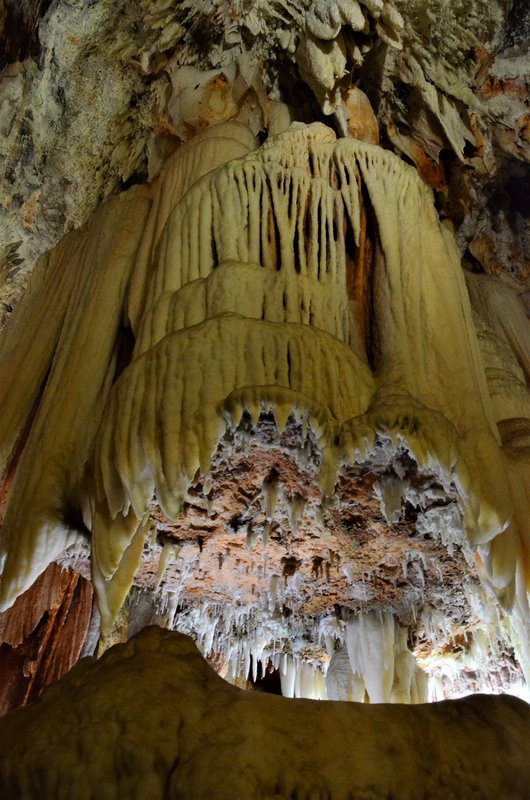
168	142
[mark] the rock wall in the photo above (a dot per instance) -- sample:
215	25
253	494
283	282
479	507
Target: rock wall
272	387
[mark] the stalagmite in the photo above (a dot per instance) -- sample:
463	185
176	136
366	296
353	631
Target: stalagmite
106	731
341	682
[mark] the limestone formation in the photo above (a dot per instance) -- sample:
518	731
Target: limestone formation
265	375
240	276
85	738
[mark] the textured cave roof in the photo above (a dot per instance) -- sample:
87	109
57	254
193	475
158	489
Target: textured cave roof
84	104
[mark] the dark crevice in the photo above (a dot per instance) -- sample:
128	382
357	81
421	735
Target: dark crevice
517	29
215	254
72	517
19	29
124	350
137	178
267	678
472	263
274	240
297	244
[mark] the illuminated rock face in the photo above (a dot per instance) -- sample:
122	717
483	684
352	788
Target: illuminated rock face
296	313
152	719
255	400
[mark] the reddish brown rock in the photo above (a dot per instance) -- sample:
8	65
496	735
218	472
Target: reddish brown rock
42	635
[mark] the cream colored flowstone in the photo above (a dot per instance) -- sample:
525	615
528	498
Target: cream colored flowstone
151	719
233	272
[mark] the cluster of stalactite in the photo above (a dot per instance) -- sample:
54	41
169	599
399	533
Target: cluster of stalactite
311	273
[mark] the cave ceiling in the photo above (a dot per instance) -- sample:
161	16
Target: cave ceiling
88	102
355	497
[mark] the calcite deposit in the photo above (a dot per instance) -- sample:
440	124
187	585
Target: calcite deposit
285	280
265	370
90	95
84	738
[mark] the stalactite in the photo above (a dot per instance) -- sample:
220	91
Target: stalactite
310	274
276	396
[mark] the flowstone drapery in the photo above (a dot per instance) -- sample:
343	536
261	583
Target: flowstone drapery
105	731
298	313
